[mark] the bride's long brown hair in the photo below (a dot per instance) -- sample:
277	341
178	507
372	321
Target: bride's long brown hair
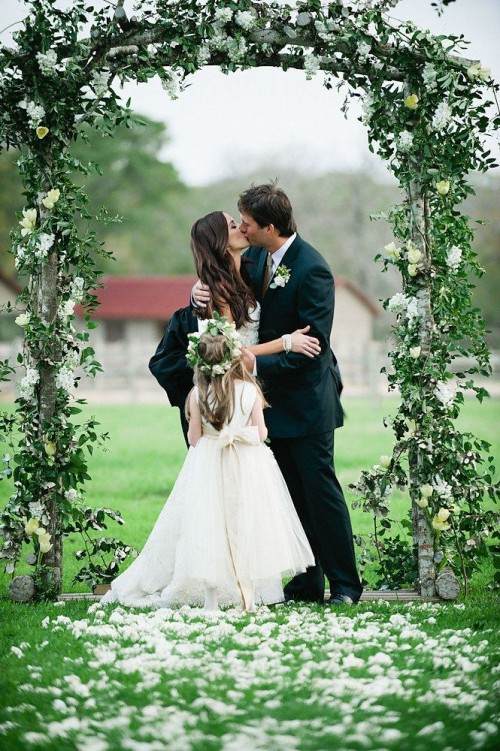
215	267
216	392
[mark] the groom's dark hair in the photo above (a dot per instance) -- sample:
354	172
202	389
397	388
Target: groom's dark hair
268	204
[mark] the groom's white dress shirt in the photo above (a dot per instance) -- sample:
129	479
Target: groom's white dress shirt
277	256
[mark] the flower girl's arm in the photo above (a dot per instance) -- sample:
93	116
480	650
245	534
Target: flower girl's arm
258	418
194	431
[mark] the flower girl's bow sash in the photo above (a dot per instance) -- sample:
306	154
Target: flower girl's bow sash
230	437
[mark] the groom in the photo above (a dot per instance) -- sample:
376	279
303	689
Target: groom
295	287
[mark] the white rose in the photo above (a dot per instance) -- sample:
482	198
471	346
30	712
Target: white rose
279	281
385	461
23	319
391	251
476	70
414	254
412	269
51	198
415	352
28	221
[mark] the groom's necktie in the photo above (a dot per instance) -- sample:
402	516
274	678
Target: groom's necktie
267	273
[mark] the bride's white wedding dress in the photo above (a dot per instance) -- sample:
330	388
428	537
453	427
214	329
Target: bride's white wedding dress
229	523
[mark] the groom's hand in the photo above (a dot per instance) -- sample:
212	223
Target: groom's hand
200	295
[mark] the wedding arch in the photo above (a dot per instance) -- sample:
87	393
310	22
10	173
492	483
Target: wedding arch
428	113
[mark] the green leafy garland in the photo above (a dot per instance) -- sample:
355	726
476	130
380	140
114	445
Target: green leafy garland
428	115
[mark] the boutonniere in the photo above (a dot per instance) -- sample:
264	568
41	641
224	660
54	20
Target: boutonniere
281	277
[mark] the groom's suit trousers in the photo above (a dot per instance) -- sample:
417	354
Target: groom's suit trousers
308	469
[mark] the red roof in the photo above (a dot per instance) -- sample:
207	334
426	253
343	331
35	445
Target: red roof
149	297
157	297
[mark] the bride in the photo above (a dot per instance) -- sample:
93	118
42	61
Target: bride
218	245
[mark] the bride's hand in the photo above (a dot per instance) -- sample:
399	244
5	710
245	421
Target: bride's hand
304	344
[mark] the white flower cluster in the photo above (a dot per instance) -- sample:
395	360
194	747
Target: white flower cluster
64	379
77	291
66	308
311	65
47	62
44	244
364	49
173	83
72	359
20	256
203	55
236	48
441	116
429	76
442	488
454	257
35	112
326	28
36	509
245	19
404	142
223	15
445	392
100	82
400	303
367	109
28	383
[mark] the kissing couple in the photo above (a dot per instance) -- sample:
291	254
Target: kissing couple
249	364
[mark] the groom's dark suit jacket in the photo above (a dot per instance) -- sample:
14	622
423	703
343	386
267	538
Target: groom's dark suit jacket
304	393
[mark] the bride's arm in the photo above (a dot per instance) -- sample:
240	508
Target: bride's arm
300	342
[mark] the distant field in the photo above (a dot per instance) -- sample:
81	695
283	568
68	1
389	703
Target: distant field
138	468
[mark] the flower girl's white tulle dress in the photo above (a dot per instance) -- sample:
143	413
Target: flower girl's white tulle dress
229	525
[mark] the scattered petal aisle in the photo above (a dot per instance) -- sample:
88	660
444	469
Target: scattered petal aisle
285	678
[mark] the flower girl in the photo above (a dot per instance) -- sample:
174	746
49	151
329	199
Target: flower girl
229	531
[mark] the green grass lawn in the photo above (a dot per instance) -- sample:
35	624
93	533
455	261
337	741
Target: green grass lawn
378	676
139	465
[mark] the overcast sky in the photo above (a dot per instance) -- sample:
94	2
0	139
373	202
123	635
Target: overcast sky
223	125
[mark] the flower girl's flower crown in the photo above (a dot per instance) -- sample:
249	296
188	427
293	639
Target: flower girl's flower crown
216	326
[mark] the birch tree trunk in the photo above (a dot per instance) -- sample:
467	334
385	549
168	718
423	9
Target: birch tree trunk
422	533
46	304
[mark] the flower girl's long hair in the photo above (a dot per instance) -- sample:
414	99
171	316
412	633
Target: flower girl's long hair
216	392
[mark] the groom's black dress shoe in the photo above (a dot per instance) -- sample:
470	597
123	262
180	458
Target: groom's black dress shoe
339	599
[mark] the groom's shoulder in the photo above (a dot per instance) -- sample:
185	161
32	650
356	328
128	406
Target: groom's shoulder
311	256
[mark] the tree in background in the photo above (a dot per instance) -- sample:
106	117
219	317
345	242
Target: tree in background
136	186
